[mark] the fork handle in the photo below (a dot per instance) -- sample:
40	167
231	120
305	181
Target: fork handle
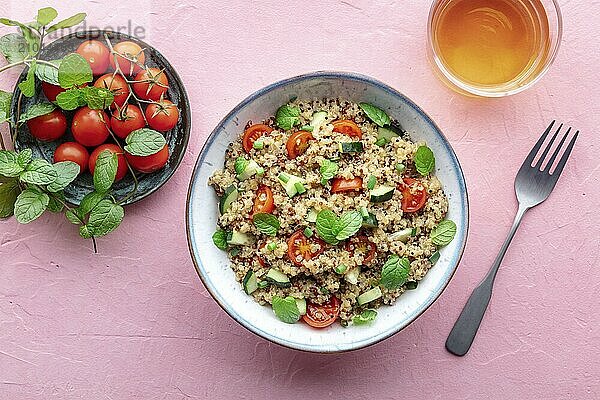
465	328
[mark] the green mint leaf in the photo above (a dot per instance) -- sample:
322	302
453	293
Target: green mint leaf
220	239
24	157
349	223
327	224
376	114
364	317
28	85
55	204
424	160
90	201
144	142
5	100
32	40
98	98
30	204
14	47
444	233
105	171
37	110
84	232
395	272
287	117
74	216
9	190
67	171
286	309
329	170
9	164
48	73
71	99
266	223
46	15
67	23
74	70
105	218
39	172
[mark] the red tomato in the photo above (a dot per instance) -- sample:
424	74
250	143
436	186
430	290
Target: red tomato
252	133
148	164
72	151
127	120
341	185
362	245
347	127
48	127
414	195
125	53
322	315
51	91
90	127
300	247
151	84
263	203
117	85
162	116
297	143
122	166
97	55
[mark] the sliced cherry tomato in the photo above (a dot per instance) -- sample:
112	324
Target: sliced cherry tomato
117	85
263	203
126	120
322	315
414	195
148	164
363	245
48	127
254	132
297	143
347	127
341	185
125	53
162	116
151	84
72	151
300	247
113	148
90	127
96	54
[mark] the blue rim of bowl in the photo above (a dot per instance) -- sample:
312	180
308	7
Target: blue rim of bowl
456	257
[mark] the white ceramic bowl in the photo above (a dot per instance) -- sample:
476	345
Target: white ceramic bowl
213	265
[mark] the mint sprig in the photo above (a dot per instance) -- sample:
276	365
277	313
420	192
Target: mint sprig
443	233
333	229
266	223
395	272
286	309
424	160
287	117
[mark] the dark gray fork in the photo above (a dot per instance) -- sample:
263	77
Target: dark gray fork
532	186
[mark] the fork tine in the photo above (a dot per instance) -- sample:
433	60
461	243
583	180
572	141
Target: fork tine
565	156
538	165
537	146
556	151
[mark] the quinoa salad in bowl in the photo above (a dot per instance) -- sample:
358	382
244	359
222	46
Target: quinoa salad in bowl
328	210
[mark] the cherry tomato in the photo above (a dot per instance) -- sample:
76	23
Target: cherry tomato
131	51
51	91
96	54
162	116
90	127
148	164
341	185
127	120
151	84
322	315
300	247
48	127
252	133
297	143
122	165
72	151
362	245
117	85
347	127
263	203
414	195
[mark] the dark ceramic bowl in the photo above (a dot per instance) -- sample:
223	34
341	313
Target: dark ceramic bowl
177	138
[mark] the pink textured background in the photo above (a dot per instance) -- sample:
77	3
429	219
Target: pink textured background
135	321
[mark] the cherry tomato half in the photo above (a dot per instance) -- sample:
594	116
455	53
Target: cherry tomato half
347	127
414	195
341	185
90	127
151	84
362	245
300	247
298	143
117	85
263	203
148	164
96	54
127	120
113	148
252	133
124	52
162	116
48	127
72	151
322	315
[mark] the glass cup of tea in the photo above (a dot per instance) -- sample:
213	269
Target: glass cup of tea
493	48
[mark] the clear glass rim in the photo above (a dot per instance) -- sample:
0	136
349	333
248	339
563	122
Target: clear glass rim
451	79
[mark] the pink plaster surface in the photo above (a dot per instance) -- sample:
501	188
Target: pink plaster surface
135	322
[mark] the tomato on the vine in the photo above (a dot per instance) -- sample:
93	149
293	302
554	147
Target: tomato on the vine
298	143
113	148
148	164
96	54
300	247
414	195
51	91
48	127
90	127
124	52
322	315
72	151
117	85
252	133
126	120
151	84
162	116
